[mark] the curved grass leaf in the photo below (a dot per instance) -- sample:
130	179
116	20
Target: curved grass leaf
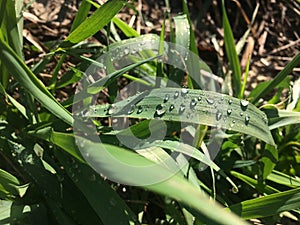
175	187
194	106
30	82
94	23
268	205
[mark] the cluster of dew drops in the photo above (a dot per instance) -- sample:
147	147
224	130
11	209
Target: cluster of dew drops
162	108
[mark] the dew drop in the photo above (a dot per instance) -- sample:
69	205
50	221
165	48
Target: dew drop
210	101
229	111
176	94
160	109
232	123
193	103
247	119
133	51
184	91
199	98
244	103
140	109
172	107
131	109
112	109
218	115
181	108
167	97
126	51
241	114
229	101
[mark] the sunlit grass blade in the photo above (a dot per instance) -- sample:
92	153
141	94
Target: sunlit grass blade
284	179
94	23
30	82
268	205
262	188
231	53
127	30
196	106
279	77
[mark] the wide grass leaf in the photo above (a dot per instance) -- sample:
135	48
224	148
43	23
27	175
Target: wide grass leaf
195	106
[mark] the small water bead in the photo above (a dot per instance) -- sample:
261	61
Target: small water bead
181	108
140	109
229	111
232	123
218	115
184	91
172	107
112	109
176	95
210	101
247	119
229	101
126	51
131	109
241	113
160	109
199	98
167	97
244	103
193	103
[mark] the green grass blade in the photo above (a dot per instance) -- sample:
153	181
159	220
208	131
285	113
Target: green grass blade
197	106
94	23
82	14
279	77
102	83
127	30
30	82
279	118
231	53
268	205
284	179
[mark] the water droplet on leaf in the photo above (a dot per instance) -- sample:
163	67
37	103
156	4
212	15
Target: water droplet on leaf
244	104
229	101
193	103
172	107
229	111
140	109
184	91
218	115
167	97
131	109
210	101
160	109
247	119
176	94
181	108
